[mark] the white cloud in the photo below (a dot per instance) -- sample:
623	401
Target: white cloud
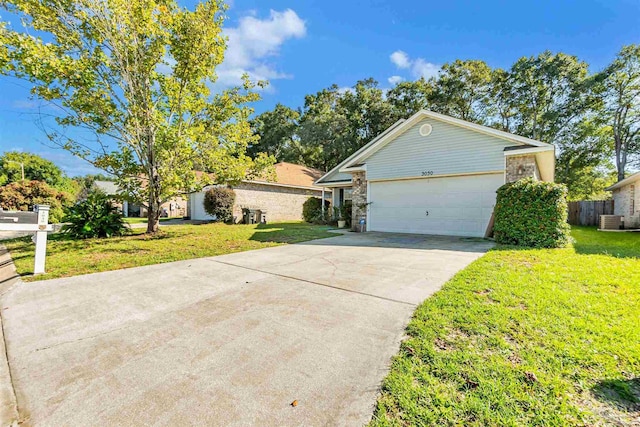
253	42
394	80
418	67
400	59
422	68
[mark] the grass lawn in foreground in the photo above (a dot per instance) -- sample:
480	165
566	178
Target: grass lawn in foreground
138	220
526	337
67	257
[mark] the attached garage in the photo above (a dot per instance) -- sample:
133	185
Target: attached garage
456	206
434	174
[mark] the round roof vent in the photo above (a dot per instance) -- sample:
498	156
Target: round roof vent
425	130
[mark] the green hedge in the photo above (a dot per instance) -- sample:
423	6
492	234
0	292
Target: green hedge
532	213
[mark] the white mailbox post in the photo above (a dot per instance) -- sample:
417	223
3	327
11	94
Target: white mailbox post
41	237
38	222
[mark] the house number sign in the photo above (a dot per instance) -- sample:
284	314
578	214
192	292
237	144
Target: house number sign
427	173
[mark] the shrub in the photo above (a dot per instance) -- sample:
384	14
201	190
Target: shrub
96	216
23	196
312	209
218	202
343	212
532	213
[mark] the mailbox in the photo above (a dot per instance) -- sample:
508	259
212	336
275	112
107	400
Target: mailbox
36	221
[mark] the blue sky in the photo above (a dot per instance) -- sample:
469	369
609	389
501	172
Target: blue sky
302	47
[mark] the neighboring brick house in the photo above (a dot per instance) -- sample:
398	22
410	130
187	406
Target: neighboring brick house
282	199
435	174
175	208
626	200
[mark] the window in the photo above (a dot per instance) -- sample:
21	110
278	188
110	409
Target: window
632	199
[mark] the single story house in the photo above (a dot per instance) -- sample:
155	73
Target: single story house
175	208
626	200
282	198
434	174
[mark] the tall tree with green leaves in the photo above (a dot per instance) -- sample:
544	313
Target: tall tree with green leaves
14	163
409	97
137	74
367	111
324	131
622	105
462	90
277	131
549	94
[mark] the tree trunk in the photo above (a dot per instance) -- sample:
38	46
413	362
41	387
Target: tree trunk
153	217
621	157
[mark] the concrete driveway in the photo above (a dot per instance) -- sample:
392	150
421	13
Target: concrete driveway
228	340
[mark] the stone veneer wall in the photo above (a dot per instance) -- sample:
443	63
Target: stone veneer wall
519	167
358	199
281	203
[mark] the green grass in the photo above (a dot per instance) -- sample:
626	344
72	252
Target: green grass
526	337
67	257
137	220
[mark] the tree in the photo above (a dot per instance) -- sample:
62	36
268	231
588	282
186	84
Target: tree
24	195
407	98
367	112
584	164
335	123
622	104
276	129
324	129
462	90
137	74
548	93
14	163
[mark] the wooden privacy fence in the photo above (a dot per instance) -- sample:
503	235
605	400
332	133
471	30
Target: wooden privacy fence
587	212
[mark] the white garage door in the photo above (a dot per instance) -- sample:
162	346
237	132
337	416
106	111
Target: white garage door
457	206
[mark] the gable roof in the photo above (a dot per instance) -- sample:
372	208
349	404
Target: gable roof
109	188
287	175
626	181
402	125
291	174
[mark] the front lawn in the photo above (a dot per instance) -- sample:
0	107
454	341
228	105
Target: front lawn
526	337
138	220
67	257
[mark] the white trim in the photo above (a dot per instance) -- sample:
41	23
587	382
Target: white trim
444	175
392	133
361	168
626	181
367	209
337	168
336	184
528	151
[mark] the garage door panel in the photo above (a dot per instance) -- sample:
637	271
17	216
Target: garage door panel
460	206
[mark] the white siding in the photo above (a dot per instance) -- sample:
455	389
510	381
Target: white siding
196	202
449	149
456	206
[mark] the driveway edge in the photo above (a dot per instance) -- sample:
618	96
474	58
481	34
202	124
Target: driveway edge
9	415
